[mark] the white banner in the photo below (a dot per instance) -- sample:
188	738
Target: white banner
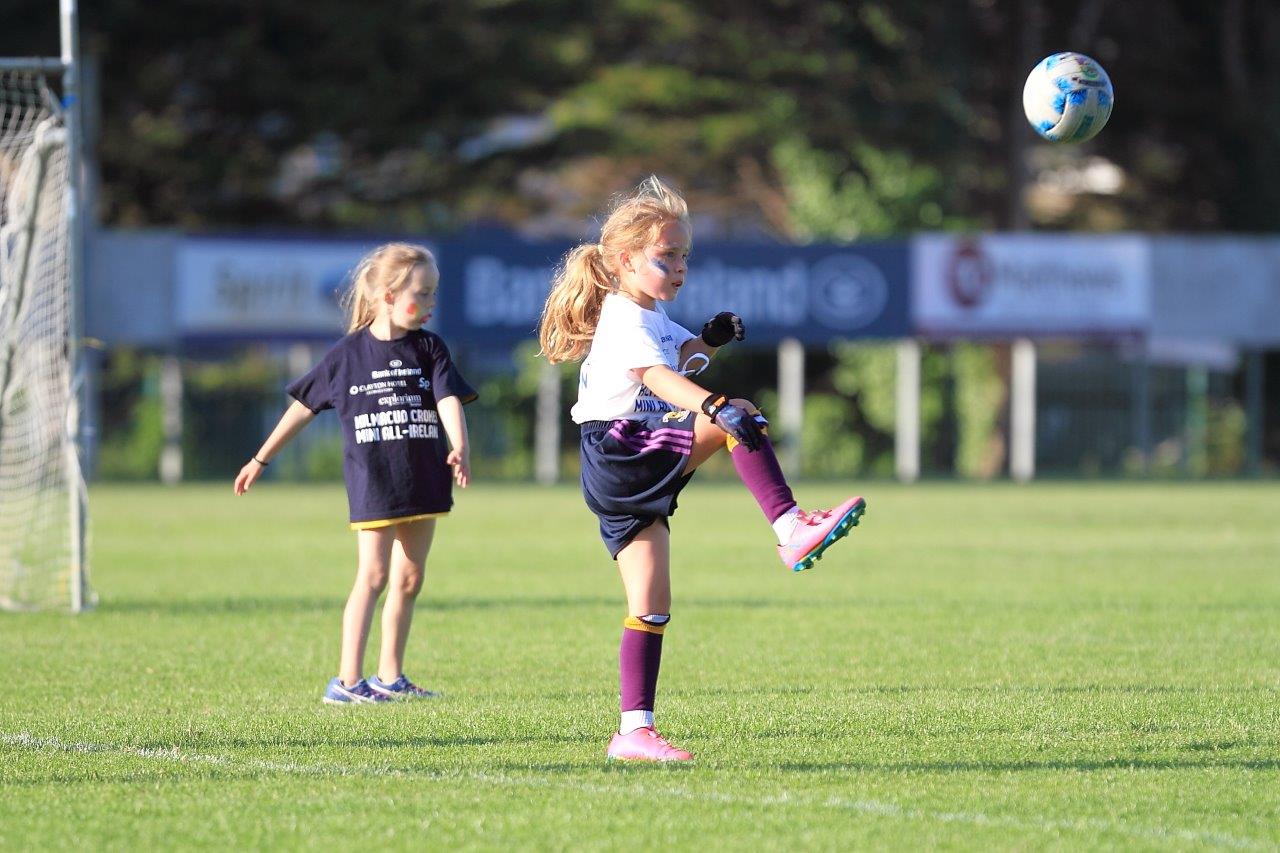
1223	289
277	288
1029	284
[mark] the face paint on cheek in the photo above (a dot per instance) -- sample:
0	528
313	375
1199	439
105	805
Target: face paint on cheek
412	310
660	266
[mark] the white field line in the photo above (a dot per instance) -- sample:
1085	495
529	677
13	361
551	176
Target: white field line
877	808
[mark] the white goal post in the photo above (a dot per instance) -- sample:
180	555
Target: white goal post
43	520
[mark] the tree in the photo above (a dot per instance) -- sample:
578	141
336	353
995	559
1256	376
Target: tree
432	114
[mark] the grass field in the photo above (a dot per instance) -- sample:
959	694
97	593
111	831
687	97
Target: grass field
1059	665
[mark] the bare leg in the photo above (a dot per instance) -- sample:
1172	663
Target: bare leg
408	565
373	553
645	565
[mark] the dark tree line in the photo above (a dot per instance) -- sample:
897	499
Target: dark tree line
782	118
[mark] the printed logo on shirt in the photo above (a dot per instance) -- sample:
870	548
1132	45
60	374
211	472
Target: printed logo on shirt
396	425
376	387
424	383
395	362
401	400
395	371
647	401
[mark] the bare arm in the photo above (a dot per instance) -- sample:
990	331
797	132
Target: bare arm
696	345
291	423
671	386
455	426
687	394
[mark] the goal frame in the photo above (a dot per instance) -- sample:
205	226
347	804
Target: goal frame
67	67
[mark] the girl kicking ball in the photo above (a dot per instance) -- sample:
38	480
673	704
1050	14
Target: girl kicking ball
646	428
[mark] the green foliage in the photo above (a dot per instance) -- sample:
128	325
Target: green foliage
935	386
1227	430
830	446
832	441
865	374
869	372
132	431
502	422
322	460
979	399
228	406
500	425
326	116
861	193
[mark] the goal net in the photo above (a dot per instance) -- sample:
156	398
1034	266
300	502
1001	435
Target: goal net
41	489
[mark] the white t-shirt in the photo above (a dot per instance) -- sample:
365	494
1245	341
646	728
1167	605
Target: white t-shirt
627	337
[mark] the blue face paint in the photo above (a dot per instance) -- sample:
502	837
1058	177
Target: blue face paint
660	266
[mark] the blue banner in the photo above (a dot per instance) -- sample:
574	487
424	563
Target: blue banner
493	289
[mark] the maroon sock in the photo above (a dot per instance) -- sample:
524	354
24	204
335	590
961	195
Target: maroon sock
639	657
760	471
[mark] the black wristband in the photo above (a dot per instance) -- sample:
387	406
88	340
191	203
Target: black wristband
259	461
713	404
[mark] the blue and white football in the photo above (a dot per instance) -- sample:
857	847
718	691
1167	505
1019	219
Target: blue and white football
1067	98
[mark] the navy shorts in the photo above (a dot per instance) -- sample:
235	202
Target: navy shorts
632	471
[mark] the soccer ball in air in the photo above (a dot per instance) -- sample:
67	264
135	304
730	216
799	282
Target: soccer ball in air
1067	98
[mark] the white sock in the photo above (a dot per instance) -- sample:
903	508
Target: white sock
632	720
785	524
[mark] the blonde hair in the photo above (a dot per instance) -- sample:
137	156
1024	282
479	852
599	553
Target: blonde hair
587	273
386	268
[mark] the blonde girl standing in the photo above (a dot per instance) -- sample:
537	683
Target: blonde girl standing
399	397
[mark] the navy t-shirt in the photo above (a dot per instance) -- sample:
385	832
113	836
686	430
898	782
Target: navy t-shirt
394	446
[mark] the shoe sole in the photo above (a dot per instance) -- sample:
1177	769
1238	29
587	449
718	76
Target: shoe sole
361	700
847	522
393	696
408	697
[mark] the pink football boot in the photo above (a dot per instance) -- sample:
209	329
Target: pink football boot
645	745
816	532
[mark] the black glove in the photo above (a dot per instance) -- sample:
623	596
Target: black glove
722	328
735	420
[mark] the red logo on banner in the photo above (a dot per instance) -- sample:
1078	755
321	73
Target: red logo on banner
969	274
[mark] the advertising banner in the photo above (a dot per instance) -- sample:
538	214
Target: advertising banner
1218	288
262	288
814	293
1008	285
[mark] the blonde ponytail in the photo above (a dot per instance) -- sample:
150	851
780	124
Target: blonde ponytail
587	273
573	307
385	269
